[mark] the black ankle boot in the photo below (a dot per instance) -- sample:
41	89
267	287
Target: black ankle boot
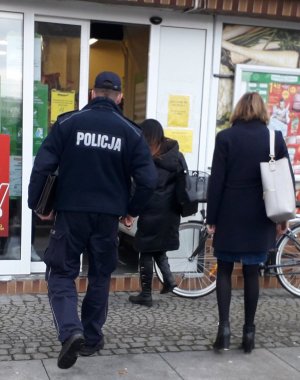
223	337
141	299
248	338
167	288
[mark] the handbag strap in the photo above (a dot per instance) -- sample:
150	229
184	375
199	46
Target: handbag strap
272	145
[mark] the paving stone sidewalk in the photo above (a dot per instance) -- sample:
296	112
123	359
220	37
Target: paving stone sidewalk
173	324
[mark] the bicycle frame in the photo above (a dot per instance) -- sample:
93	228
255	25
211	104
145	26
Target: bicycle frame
200	247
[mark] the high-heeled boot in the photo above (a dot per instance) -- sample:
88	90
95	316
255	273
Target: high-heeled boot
248	338
223	337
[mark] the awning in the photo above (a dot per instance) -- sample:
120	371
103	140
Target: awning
278	9
170	4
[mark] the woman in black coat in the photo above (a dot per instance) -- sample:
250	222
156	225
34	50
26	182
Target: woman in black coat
158	224
236	212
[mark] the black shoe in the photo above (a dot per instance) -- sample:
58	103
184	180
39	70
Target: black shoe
69	352
141	299
167	288
223	337
248	342
87	350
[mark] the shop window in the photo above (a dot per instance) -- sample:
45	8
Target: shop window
11	129
56	88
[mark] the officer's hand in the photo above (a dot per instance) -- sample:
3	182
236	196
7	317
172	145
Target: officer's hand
127	221
281	228
211	229
46	217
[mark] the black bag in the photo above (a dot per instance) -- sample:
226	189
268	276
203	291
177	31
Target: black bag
191	188
45	203
197	185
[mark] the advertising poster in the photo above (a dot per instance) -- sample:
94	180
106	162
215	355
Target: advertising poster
280	89
15	178
11	123
40	115
4	184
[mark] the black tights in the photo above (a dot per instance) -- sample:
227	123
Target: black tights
251	290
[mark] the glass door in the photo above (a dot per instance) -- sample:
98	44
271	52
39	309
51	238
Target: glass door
11	130
60	85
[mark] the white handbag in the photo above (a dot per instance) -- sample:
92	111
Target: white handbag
278	186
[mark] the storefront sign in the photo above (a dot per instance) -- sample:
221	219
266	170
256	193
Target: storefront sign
4	184
61	102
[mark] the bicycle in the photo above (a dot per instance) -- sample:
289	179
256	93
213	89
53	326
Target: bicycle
284	261
194	266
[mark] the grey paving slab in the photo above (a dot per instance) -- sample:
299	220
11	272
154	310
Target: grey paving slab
23	370
289	355
230	365
131	367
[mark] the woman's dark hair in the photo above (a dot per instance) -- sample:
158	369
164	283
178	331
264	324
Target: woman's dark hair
154	135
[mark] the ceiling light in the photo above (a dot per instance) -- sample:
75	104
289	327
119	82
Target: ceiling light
92	41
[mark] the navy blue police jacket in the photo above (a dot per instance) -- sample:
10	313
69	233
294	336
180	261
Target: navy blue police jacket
97	153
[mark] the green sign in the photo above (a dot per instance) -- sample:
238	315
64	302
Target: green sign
250	76
40	115
11	123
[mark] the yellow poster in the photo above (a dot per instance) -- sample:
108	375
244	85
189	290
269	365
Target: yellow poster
184	138
61	102
178	111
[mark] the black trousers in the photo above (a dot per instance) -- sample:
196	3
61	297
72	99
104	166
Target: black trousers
73	233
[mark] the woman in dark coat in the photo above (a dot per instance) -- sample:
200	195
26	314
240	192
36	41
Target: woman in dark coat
158	224
236	212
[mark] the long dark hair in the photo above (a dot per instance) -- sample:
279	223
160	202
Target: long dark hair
154	135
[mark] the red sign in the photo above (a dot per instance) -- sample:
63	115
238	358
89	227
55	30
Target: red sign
4	184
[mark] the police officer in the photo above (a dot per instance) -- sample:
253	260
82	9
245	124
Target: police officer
97	153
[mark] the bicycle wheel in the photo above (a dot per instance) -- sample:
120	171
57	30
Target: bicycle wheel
193	265
288	261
